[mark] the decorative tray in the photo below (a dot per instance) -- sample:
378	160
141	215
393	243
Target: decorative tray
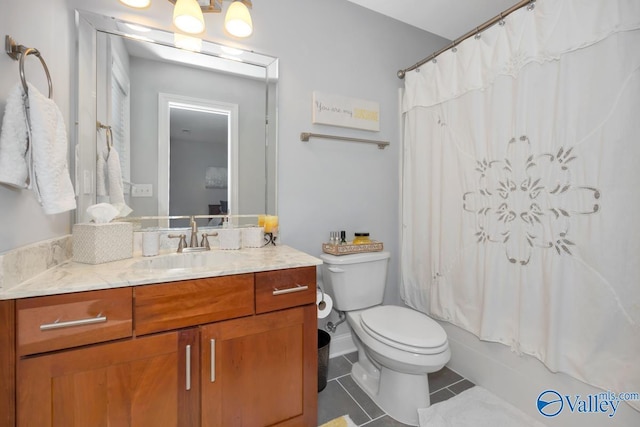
346	249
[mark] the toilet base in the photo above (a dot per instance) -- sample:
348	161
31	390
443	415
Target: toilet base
398	394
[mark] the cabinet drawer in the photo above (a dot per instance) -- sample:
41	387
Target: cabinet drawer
280	289
192	302
69	320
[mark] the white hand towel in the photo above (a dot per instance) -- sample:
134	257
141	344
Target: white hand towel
13	141
101	173
116	194
50	178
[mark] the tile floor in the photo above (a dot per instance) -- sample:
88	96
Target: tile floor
343	396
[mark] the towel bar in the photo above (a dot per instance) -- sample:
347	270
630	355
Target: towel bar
304	136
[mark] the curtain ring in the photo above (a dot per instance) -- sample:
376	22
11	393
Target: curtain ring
501	21
478	35
531	5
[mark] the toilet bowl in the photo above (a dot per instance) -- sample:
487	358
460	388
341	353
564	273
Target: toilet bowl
394	373
397	346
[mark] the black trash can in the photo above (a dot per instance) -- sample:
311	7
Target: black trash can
324	340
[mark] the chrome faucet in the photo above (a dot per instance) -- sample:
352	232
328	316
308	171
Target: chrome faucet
193	243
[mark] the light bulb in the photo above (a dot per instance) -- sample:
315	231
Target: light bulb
238	20
138	4
187	16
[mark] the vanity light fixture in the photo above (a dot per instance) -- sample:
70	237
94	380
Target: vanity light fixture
188	16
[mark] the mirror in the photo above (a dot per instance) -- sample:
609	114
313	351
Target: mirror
193	122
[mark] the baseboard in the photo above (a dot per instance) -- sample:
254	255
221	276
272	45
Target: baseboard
341	344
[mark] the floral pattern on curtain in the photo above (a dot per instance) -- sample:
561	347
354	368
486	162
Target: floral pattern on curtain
521	188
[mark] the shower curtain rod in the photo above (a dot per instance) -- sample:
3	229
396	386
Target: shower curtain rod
530	5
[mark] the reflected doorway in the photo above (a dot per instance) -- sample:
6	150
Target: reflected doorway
198	158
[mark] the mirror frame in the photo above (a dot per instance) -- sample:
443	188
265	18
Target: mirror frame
88	24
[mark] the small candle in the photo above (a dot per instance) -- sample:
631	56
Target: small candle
271	224
261	220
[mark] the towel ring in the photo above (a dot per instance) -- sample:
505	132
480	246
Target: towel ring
20	52
109	135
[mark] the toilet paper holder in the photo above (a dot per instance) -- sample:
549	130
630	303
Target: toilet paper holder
321	304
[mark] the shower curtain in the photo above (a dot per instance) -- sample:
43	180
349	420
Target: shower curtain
521	188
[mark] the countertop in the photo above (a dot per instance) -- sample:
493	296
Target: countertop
77	277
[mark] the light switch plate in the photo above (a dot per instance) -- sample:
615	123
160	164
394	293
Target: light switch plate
142	190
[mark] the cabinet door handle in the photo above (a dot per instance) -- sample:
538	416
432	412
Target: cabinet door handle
188	367
71	323
213	361
298	288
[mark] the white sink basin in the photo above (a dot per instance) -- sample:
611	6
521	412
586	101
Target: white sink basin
190	260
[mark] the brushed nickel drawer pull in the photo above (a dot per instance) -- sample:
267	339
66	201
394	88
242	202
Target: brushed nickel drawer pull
298	288
71	323
188	367
213	361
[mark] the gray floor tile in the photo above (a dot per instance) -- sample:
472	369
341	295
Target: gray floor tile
361	397
441	395
334	402
461	386
353	357
385	421
442	378
337	398
338	366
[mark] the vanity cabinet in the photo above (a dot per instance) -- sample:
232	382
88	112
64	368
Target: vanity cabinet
225	351
130	383
261	370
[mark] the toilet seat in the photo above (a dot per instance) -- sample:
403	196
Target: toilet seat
404	329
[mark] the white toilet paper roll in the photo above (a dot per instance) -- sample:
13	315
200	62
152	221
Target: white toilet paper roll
324	309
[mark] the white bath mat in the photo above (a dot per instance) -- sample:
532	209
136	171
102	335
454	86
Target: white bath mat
475	407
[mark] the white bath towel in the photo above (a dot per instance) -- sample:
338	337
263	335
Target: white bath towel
116	193
50	173
13	141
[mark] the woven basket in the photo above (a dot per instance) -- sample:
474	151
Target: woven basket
347	249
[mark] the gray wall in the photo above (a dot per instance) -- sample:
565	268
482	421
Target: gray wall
48	26
189	162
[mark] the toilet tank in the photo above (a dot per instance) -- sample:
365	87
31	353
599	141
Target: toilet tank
355	281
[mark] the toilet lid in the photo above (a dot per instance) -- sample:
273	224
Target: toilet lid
404	328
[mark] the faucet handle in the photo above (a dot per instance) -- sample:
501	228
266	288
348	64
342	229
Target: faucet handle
205	241
182	243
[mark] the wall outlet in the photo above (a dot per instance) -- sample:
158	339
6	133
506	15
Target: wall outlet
142	190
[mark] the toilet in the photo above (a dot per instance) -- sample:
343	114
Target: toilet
397	346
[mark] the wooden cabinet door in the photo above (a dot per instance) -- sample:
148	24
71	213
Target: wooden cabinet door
141	382
261	370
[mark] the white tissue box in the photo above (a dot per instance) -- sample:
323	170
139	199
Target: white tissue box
100	243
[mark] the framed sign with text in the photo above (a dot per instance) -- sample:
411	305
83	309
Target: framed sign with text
347	112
